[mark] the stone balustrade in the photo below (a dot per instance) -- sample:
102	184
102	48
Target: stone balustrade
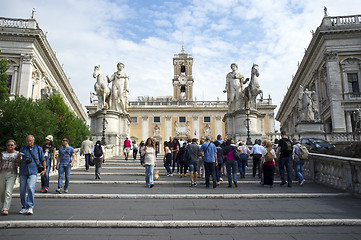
341	20
343	137
18	23
191	104
334	171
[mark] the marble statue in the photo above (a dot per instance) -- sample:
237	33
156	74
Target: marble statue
234	88
102	91
119	89
306	104
156	130
357	117
253	89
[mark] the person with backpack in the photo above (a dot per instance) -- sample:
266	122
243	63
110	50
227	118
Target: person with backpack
284	153
64	164
268	164
300	154
229	156
98	156
219	160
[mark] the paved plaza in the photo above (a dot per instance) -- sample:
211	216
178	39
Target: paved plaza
119	205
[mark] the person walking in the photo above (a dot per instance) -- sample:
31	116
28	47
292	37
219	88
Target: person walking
219	160
257	150
149	162
167	160
64	164
300	154
49	154
127	147
182	162
209	152
135	149
9	161
86	150
192	157
268	164
244	153
98	156
284	154
175	149
229	156
33	157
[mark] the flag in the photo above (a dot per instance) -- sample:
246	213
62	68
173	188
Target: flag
195	132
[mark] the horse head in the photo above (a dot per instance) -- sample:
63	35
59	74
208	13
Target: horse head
97	71
255	70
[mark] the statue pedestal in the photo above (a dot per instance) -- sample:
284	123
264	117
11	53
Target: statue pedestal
236	125
117	127
310	129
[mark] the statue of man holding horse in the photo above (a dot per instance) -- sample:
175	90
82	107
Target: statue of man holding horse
119	89
234	88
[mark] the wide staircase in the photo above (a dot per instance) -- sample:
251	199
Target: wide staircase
119	206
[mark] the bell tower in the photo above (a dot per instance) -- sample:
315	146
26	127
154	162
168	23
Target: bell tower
183	79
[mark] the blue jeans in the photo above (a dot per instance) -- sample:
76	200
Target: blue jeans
242	163
27	185
232	169
210	169
149	174
286	162
64	168
167	167
300	163
87	159
45	177
219	171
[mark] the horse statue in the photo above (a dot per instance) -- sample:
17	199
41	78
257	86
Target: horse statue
253	89
101	89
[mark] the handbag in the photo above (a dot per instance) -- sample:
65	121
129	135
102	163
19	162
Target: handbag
40	167
91	161
155	174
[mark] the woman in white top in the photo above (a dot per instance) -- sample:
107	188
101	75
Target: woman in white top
149	162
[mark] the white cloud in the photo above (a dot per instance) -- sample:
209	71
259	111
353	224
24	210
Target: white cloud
146	34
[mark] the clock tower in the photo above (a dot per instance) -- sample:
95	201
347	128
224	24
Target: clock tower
183	79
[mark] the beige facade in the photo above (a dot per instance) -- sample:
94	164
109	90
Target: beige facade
181	117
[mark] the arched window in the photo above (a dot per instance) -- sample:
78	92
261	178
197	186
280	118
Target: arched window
183	69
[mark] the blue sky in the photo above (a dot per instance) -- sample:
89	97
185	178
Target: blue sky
145	35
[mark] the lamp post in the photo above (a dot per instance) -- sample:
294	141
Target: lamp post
104	112
249	141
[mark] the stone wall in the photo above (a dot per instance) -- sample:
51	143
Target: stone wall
338	172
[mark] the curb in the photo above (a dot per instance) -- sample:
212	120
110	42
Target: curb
155	182
178	223
186	196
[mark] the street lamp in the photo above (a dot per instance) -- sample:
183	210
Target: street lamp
248	111
104	112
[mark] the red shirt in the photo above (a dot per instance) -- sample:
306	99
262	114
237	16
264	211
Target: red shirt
127	143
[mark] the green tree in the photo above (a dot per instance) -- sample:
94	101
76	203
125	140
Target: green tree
22	117
4	90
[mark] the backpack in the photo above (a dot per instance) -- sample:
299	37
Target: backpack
303	152
268	157
98	151
286	147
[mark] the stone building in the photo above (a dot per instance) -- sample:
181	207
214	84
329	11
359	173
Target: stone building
181	116
330	73
34	69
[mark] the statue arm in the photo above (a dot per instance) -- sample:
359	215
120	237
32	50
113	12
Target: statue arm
226	88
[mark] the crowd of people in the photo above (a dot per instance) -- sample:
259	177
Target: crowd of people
204	159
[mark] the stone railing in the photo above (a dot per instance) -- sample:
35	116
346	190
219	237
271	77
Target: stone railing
160	104
18	23
343	137
341	20
334	171
352	96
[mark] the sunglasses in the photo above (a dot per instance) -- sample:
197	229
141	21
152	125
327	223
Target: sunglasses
10	145
64	140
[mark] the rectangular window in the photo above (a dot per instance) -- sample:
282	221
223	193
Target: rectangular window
207	119
182	119
353	85
9	82
156	119
134	119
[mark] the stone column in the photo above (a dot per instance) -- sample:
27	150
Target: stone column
145	127
218	128
26	70
168	128
335	93
195	127
348	122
